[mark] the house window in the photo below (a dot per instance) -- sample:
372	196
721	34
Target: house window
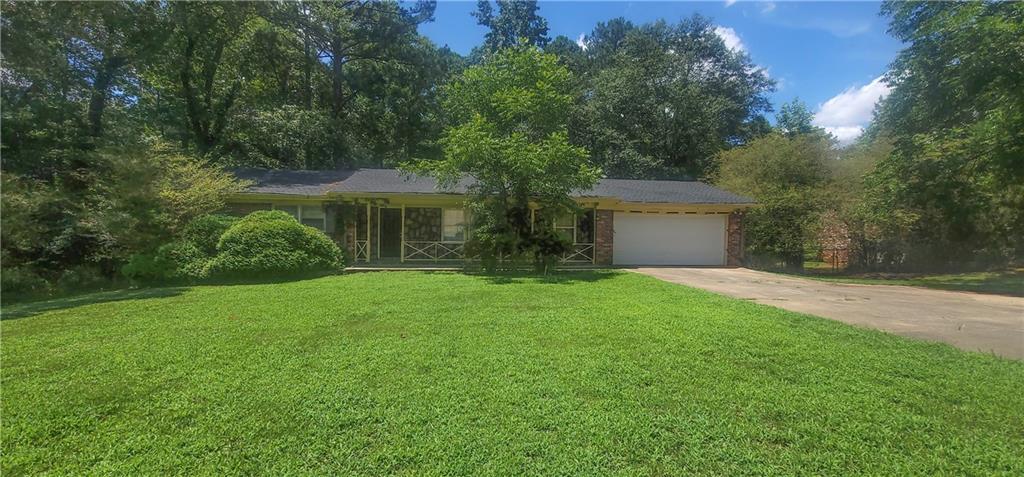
453	225
292	210
578	228
566	227
311	215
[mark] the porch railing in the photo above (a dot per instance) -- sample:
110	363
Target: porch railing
362	251
433	251
580	253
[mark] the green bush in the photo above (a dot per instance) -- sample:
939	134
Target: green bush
21	282
174	261
273	243
204	231
80	278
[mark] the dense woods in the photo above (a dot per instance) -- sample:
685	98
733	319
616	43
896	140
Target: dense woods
119	117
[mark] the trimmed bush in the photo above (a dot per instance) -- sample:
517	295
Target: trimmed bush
180	260
273	243
204	231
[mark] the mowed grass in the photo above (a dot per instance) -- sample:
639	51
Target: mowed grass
416	373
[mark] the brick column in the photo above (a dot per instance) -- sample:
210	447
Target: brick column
734	240
604	236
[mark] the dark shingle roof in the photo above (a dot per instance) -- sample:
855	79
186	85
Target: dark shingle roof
391	181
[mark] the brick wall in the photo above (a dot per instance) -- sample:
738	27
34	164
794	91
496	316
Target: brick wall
734	240
605	234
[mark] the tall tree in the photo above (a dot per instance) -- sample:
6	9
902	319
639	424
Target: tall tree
955	114
664	99
786	176
515	21
509	132
796	118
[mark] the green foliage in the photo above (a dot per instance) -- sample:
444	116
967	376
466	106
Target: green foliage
955	114
17	282
517	20
172	262
271	243
205	231
786	176
795	118
662	100
509	132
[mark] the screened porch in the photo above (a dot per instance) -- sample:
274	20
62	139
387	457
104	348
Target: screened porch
405	234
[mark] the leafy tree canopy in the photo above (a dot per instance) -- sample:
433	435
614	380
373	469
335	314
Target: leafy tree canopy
516	20
509	132
955	115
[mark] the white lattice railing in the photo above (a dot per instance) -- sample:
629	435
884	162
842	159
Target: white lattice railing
362	251
434	251
580	253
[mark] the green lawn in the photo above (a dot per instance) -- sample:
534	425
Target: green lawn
1007	282
432	373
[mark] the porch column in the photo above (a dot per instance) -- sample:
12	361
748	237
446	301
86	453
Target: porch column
401	249
368	222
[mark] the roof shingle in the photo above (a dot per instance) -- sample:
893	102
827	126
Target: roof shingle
391	181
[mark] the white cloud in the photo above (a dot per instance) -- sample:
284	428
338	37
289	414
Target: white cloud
582	41
767	7
845	134
728	3
845	114
731	39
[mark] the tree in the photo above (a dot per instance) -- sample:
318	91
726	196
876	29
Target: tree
515	21
663	99
795	118
955	115
509	132
786	176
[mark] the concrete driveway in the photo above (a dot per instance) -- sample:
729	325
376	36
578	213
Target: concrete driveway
970	321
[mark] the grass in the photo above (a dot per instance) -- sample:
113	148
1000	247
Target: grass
1007	282
443	373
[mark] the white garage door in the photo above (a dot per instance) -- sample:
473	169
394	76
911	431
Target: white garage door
660	239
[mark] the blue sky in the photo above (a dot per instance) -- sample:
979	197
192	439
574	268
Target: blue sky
829	54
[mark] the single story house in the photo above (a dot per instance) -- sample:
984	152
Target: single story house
387	216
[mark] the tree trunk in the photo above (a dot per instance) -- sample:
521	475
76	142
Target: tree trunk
100	90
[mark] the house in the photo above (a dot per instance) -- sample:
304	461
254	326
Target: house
387	216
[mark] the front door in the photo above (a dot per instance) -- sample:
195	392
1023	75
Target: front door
390	233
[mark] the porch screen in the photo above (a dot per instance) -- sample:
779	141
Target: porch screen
454	225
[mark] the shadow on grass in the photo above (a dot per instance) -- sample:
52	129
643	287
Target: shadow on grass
29	307
25	310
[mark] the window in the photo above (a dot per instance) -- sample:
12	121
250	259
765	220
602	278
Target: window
453	225
292	210
311	215
566	227
577	228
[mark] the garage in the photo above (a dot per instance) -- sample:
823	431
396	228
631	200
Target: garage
668	239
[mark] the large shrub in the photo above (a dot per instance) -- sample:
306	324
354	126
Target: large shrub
174	261
271	243
204	231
